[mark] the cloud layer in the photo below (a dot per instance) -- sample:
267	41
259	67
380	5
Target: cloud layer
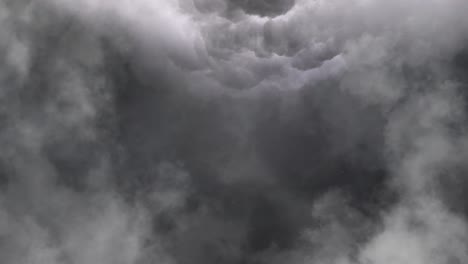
233	131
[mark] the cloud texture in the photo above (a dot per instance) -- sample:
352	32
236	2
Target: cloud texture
233	131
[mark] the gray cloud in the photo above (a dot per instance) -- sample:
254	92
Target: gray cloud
215	131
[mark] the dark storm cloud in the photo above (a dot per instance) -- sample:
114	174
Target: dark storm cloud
263	8
214	131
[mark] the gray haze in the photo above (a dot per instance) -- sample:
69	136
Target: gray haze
233	131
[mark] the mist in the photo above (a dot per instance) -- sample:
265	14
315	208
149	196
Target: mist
233	131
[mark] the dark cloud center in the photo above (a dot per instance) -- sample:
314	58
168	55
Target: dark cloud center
263	7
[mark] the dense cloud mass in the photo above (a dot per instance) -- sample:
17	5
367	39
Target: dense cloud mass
233	131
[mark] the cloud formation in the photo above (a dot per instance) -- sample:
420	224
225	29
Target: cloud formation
233	131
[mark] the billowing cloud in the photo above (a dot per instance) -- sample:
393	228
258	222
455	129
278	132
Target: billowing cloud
233	131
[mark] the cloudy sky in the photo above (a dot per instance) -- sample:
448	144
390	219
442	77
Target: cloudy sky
233	132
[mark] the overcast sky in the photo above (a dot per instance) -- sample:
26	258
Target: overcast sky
233	131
